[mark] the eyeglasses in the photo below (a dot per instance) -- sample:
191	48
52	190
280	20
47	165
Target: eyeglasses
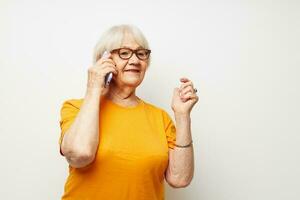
126	53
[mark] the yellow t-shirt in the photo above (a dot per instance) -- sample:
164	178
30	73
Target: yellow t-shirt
132	156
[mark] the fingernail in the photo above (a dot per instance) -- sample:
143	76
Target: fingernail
105	54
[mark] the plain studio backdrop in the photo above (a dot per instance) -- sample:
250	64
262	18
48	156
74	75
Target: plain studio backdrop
243	57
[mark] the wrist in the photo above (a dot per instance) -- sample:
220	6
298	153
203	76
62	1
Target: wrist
93	92
182	118
182	114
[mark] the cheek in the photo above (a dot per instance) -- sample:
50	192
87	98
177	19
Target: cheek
121	65
145	66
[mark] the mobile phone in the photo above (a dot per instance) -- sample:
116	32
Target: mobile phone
108	76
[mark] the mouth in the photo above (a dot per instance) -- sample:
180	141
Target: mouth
133	70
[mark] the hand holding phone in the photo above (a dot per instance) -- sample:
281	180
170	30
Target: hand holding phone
100	74
108	76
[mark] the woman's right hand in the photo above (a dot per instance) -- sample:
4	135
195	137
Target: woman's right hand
97	73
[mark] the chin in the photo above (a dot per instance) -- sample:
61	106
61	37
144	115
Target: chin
133	83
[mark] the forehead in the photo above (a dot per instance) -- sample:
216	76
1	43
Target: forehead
130	41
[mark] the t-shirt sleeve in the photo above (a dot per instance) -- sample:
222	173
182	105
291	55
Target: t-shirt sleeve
170	130
68	113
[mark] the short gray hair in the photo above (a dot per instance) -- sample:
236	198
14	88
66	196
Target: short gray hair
113	38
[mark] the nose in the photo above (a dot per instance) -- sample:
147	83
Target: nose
134	59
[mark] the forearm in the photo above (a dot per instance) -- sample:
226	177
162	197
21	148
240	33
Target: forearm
182	161
82	138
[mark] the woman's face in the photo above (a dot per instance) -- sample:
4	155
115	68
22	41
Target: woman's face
130	72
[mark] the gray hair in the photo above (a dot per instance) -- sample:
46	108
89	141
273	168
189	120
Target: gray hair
113	38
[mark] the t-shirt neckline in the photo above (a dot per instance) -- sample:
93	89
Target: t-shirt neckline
140	103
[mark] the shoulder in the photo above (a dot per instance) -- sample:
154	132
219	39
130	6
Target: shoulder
76	103
155	109
71	106
160	115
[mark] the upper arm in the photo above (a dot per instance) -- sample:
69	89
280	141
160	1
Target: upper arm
68	113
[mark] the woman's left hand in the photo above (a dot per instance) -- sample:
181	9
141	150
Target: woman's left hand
184	98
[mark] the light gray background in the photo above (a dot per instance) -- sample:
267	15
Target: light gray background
243	57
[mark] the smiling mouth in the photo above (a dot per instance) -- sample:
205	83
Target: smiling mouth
132	70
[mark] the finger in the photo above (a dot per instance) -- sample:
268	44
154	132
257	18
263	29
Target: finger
106	54
110	68
104	69
107	70
189	96
185	96
186	84
104	57
105	64
184	79
108	61
186	90
101	58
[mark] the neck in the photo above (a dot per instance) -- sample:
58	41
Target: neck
124	96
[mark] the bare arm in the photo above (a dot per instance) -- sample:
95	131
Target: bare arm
181	160
180	170
80	142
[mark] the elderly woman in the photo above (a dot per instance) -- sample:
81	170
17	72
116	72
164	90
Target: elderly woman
117	145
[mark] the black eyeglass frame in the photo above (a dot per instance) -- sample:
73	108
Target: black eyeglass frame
132	52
